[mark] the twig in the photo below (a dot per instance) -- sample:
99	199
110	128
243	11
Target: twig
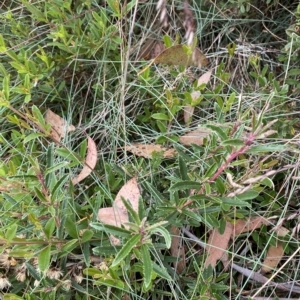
252	274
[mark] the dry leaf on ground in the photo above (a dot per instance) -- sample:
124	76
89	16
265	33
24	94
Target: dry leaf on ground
59	127
146	150
249	225
177	249
189	109
217	245
117	215
151	49
205	78
90	162
275	253
178	56
195	137
274	256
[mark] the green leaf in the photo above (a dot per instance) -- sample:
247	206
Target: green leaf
49	227
92	272
44	258
87	235
248	195
119	284
160	116
161	272
185	185
131	211
58	186
2	44
114	230
147	265
11	232
70	245
141	209
219	131
71	228
9	296
183	169
56	167
233	142
126	249
6	83
165	233
157	196
38	115
106	250
32	136
235	202
267	148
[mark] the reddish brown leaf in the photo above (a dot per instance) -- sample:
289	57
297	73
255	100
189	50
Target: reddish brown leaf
195	136
177	250
217	245
249	225
90	161
273	258
117	215
59	127
146	150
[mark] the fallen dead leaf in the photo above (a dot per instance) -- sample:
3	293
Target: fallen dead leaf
117	215
217	245
59	127
275	253
188	112
177	249
146	150
177	56
195	137
273	258
249	225
189	109
205	78
90	162
151	49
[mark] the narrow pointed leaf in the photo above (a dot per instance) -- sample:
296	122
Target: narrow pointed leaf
126	249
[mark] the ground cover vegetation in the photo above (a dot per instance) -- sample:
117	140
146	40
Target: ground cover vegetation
149	150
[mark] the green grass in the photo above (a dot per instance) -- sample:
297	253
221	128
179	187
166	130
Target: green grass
79	59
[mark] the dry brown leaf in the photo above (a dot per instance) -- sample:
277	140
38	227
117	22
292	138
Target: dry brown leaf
249	225
217	245
90	161
151	49
273	258
195	137
205	78
275	253
188	112
117	215
177	250
178	56
146	150
59	127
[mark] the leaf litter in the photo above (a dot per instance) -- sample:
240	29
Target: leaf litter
178	56
59	126
117	215
90	162
147	150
